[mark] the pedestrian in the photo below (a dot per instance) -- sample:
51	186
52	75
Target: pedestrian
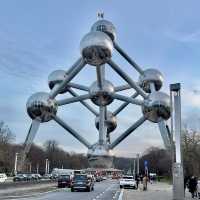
192	186
137	180
185	183
198	188
145	179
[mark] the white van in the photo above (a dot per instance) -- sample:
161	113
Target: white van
3	177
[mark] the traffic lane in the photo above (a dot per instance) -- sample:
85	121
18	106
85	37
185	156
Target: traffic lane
105	190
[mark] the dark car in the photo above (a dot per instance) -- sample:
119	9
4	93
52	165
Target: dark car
20	177
82	182
64	181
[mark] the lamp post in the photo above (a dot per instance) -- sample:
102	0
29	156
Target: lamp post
15	165
46	166
178	180
138	164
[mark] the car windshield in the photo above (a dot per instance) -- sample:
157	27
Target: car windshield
80	178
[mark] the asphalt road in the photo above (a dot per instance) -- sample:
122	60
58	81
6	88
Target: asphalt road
105	190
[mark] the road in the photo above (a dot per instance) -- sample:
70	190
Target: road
105	190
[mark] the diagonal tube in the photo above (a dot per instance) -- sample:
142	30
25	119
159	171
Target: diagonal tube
72	67
128	99
73	99
164	134
78	86
127	132
118	110
83	102
76	69
122	87
29	140
125	55
127	78
72	131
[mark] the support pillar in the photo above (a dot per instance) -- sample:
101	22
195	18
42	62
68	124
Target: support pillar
178	177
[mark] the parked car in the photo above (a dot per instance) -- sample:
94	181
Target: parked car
20	177
47	176
38	176
82	182
99	179
64	181
127	182
3	177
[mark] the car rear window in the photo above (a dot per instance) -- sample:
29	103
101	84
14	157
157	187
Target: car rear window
64	177
80	177
127	177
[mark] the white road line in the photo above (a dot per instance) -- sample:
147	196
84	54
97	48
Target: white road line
121	194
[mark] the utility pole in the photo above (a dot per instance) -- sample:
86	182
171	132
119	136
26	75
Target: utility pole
37	168
134	168
15	165
178	180
30	167
46	166
138	164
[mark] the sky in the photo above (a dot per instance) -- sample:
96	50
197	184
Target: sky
38	37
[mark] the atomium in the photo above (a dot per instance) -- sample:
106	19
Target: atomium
106	27
97	48
157	107
110	120
151	76
55	78
40	106
102	96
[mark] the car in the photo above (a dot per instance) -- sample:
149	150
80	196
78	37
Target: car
64	181
20	177
3	177
47	176
127	182
38	176
82	182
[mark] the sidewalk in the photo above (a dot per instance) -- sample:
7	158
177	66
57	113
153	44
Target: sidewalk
156	191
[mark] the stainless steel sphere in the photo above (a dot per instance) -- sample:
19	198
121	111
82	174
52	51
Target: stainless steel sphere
157	107
111	122
56	77
106	27
151	76
96	48
102	96
99	156
40	106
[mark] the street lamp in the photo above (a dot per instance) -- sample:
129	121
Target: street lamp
15	165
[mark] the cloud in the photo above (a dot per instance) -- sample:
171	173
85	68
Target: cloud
192	37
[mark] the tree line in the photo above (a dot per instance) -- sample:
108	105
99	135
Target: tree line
159	160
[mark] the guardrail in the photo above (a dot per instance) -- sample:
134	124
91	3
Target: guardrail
6	185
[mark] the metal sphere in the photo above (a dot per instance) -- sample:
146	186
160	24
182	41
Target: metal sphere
102	96
106	27
111	122
99	156
96	48
151	76
40	106
56	77
158	107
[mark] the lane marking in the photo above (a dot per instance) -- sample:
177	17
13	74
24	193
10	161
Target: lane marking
121	194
